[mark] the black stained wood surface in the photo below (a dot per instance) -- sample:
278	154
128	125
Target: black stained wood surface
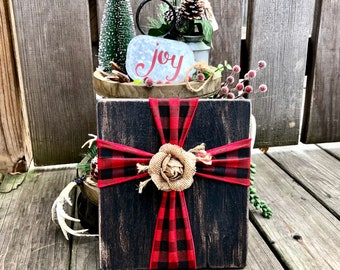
278	32
322	110
218	211
55	68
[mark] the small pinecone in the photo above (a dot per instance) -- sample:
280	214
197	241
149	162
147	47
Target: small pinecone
168	16
94	167
192	9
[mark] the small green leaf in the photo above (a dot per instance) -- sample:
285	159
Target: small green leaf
207	31
229	67
161	31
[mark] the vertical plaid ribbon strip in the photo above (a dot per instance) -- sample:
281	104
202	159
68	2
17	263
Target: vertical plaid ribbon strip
173	245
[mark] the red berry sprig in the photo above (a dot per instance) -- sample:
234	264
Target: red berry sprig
148	82
200	77
231	90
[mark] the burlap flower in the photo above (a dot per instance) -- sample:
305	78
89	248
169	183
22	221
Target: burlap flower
171	168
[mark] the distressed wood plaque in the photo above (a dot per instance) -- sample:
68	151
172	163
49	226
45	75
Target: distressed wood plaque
218	211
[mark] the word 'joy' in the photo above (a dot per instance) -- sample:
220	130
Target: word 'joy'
161	58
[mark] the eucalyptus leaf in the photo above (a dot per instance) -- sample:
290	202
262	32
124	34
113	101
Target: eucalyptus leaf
207	31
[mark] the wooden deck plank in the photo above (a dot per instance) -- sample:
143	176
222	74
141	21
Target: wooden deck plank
28	238
85	253
260	257
331	148
314	169
302	232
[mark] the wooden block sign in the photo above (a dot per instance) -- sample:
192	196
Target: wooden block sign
217	210
158	58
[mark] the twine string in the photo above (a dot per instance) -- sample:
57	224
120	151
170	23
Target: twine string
201	67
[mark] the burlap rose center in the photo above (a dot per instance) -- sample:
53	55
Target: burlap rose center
172	168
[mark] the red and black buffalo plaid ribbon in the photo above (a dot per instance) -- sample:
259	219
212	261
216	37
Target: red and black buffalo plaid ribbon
173	245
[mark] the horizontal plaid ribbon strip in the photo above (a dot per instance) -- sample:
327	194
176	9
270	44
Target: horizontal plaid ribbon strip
173	245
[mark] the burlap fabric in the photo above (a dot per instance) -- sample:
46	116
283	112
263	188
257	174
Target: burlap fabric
173	168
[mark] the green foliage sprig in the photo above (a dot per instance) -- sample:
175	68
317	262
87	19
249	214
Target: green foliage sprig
85	165
183	27
254	197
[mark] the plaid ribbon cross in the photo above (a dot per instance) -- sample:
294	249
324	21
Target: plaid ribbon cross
173	245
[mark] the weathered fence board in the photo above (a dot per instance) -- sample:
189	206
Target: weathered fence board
14	140
54	48
227	39
278	32
55	64
322	110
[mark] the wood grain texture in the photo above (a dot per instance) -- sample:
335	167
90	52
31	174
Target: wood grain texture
218	211
94	32
315	170
54	48
85	250
259	254
85	253
25	221
260	257
14	140
278	32
100	11
303	233
227	39
331	148
29	239
322	109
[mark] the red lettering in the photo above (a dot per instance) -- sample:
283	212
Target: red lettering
162	58
141	65
178	68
